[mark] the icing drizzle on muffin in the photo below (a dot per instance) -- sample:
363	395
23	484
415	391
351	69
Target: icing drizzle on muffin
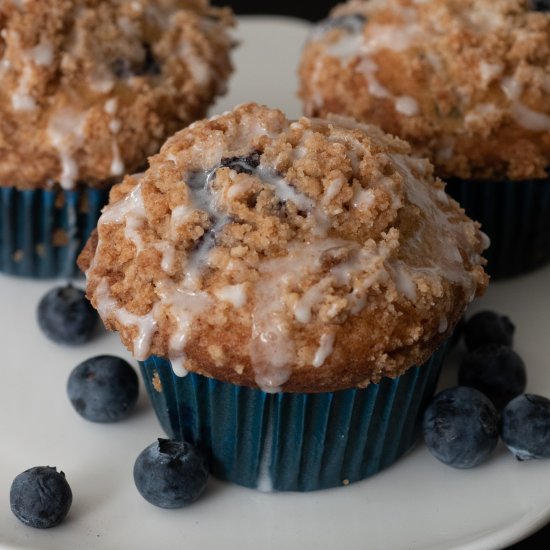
461	81
282	235
90	88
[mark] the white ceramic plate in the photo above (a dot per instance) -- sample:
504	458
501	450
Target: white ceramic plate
417	504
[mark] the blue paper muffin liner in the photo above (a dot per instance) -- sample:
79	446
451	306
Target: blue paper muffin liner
292	441
43	231
516	217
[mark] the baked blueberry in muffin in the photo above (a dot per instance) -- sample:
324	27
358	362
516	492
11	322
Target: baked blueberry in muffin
271	258
89	89
466	83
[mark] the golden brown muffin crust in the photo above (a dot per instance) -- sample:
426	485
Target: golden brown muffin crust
90	88
307	255
466	82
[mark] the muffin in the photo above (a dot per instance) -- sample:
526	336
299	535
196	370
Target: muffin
279	282
89	89
467	83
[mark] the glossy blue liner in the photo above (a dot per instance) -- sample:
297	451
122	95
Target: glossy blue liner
515	215
31	221
292	441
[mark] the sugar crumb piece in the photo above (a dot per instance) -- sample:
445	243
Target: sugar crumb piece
157	384
217	354
18	256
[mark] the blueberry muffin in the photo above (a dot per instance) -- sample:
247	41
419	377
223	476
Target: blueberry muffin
89	89
296	270
467	84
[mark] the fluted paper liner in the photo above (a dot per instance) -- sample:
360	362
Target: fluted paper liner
292	441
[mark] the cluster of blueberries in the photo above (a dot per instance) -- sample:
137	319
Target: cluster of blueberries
461	425
167	473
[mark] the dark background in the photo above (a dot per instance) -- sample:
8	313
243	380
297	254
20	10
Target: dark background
314	11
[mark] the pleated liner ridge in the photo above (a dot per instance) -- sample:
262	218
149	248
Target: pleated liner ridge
515	215
292	442
43	231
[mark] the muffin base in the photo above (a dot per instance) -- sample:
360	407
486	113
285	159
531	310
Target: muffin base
292	441
43	231
516	217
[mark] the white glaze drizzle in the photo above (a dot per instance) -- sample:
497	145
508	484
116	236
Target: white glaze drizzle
101	81
66	133
404	281
399	37
184	305
358	268
352	44
199	69
21	100
168	253
40	55
325	349
362	199
272	347
145	325
489	71
234	294
448	260
523	115
480	112
369	68
127	26
333	189
180	215
178	365
117	165
129	211
136	6
406	105
203	197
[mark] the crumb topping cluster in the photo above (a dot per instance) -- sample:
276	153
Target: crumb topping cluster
90	88
300	255
466	82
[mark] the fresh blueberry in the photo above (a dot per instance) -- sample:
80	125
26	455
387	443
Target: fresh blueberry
123	68
170	474
496	371
242	165
460	427
541	5
40	497
488	327
103	388
66	317
352	23
525	426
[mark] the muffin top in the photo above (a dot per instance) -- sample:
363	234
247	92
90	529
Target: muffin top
305	256
466	82
90	88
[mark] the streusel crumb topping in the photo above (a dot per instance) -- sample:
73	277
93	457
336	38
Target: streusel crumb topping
90	88
466	82
300	255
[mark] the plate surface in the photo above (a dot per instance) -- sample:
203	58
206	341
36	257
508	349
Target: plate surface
417	504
